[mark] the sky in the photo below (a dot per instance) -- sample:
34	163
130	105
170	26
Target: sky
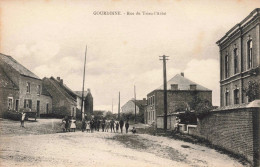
50	38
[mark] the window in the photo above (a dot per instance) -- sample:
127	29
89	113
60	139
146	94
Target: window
249	53
235	61
38	89
28	87
28	103
153	99
236	96
226	66
16	105
10	103
227	97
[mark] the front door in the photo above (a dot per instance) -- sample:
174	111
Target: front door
38	108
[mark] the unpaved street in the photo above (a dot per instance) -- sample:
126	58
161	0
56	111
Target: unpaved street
104	149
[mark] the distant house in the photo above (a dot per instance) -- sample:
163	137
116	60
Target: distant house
180	92
88	101
129	107
20	88
64	99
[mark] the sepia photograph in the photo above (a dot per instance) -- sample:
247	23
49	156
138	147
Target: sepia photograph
120	83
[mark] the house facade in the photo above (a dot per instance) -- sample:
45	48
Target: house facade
20	88
64	99
239	60
88	101
180	92
129	107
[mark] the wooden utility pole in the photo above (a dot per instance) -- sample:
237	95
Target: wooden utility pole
82	97
112	105
119	106
164	58
135	103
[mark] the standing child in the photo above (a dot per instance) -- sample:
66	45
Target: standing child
73	124
88	126
117	126
63	122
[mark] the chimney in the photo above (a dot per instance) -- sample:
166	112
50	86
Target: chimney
193	87
58	78
174	86
61	81
182	74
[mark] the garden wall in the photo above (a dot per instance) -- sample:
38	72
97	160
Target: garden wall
236	130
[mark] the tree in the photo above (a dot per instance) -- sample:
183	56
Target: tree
252	91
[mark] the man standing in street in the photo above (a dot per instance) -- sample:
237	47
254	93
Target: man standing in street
121	123
112	125
126	126
22	119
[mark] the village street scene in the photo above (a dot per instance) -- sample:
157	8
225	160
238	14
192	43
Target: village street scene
126	84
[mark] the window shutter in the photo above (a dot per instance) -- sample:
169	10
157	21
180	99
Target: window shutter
24	104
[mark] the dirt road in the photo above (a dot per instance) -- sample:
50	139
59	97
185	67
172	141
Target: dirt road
104	149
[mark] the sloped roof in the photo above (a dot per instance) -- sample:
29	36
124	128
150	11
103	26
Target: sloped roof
183	83
68	93
5	81
79	93
45	91
17	66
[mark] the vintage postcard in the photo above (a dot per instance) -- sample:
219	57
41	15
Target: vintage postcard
129	83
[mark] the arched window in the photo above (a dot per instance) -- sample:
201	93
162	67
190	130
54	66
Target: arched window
226	66
227	97
235	61
236	95
249	54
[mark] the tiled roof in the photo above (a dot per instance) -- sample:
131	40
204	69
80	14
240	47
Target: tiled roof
17	66
5	81
183	83
64	89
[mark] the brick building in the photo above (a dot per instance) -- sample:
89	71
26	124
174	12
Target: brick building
129	107
88	101
180	91
239	59
20	88
64	99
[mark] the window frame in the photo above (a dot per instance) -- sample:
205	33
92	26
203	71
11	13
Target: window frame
249	54
10	105
235	52
226	66
28	87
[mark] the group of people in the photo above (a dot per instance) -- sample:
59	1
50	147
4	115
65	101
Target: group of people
69	124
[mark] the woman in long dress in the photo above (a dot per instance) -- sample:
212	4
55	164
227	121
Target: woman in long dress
73	124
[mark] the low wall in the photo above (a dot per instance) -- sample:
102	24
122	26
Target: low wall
236	130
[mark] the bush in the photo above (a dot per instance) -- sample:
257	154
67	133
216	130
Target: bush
13	115
188	118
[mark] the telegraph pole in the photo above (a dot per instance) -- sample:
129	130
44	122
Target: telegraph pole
82	100
135	103
119	106
164	58
112	105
